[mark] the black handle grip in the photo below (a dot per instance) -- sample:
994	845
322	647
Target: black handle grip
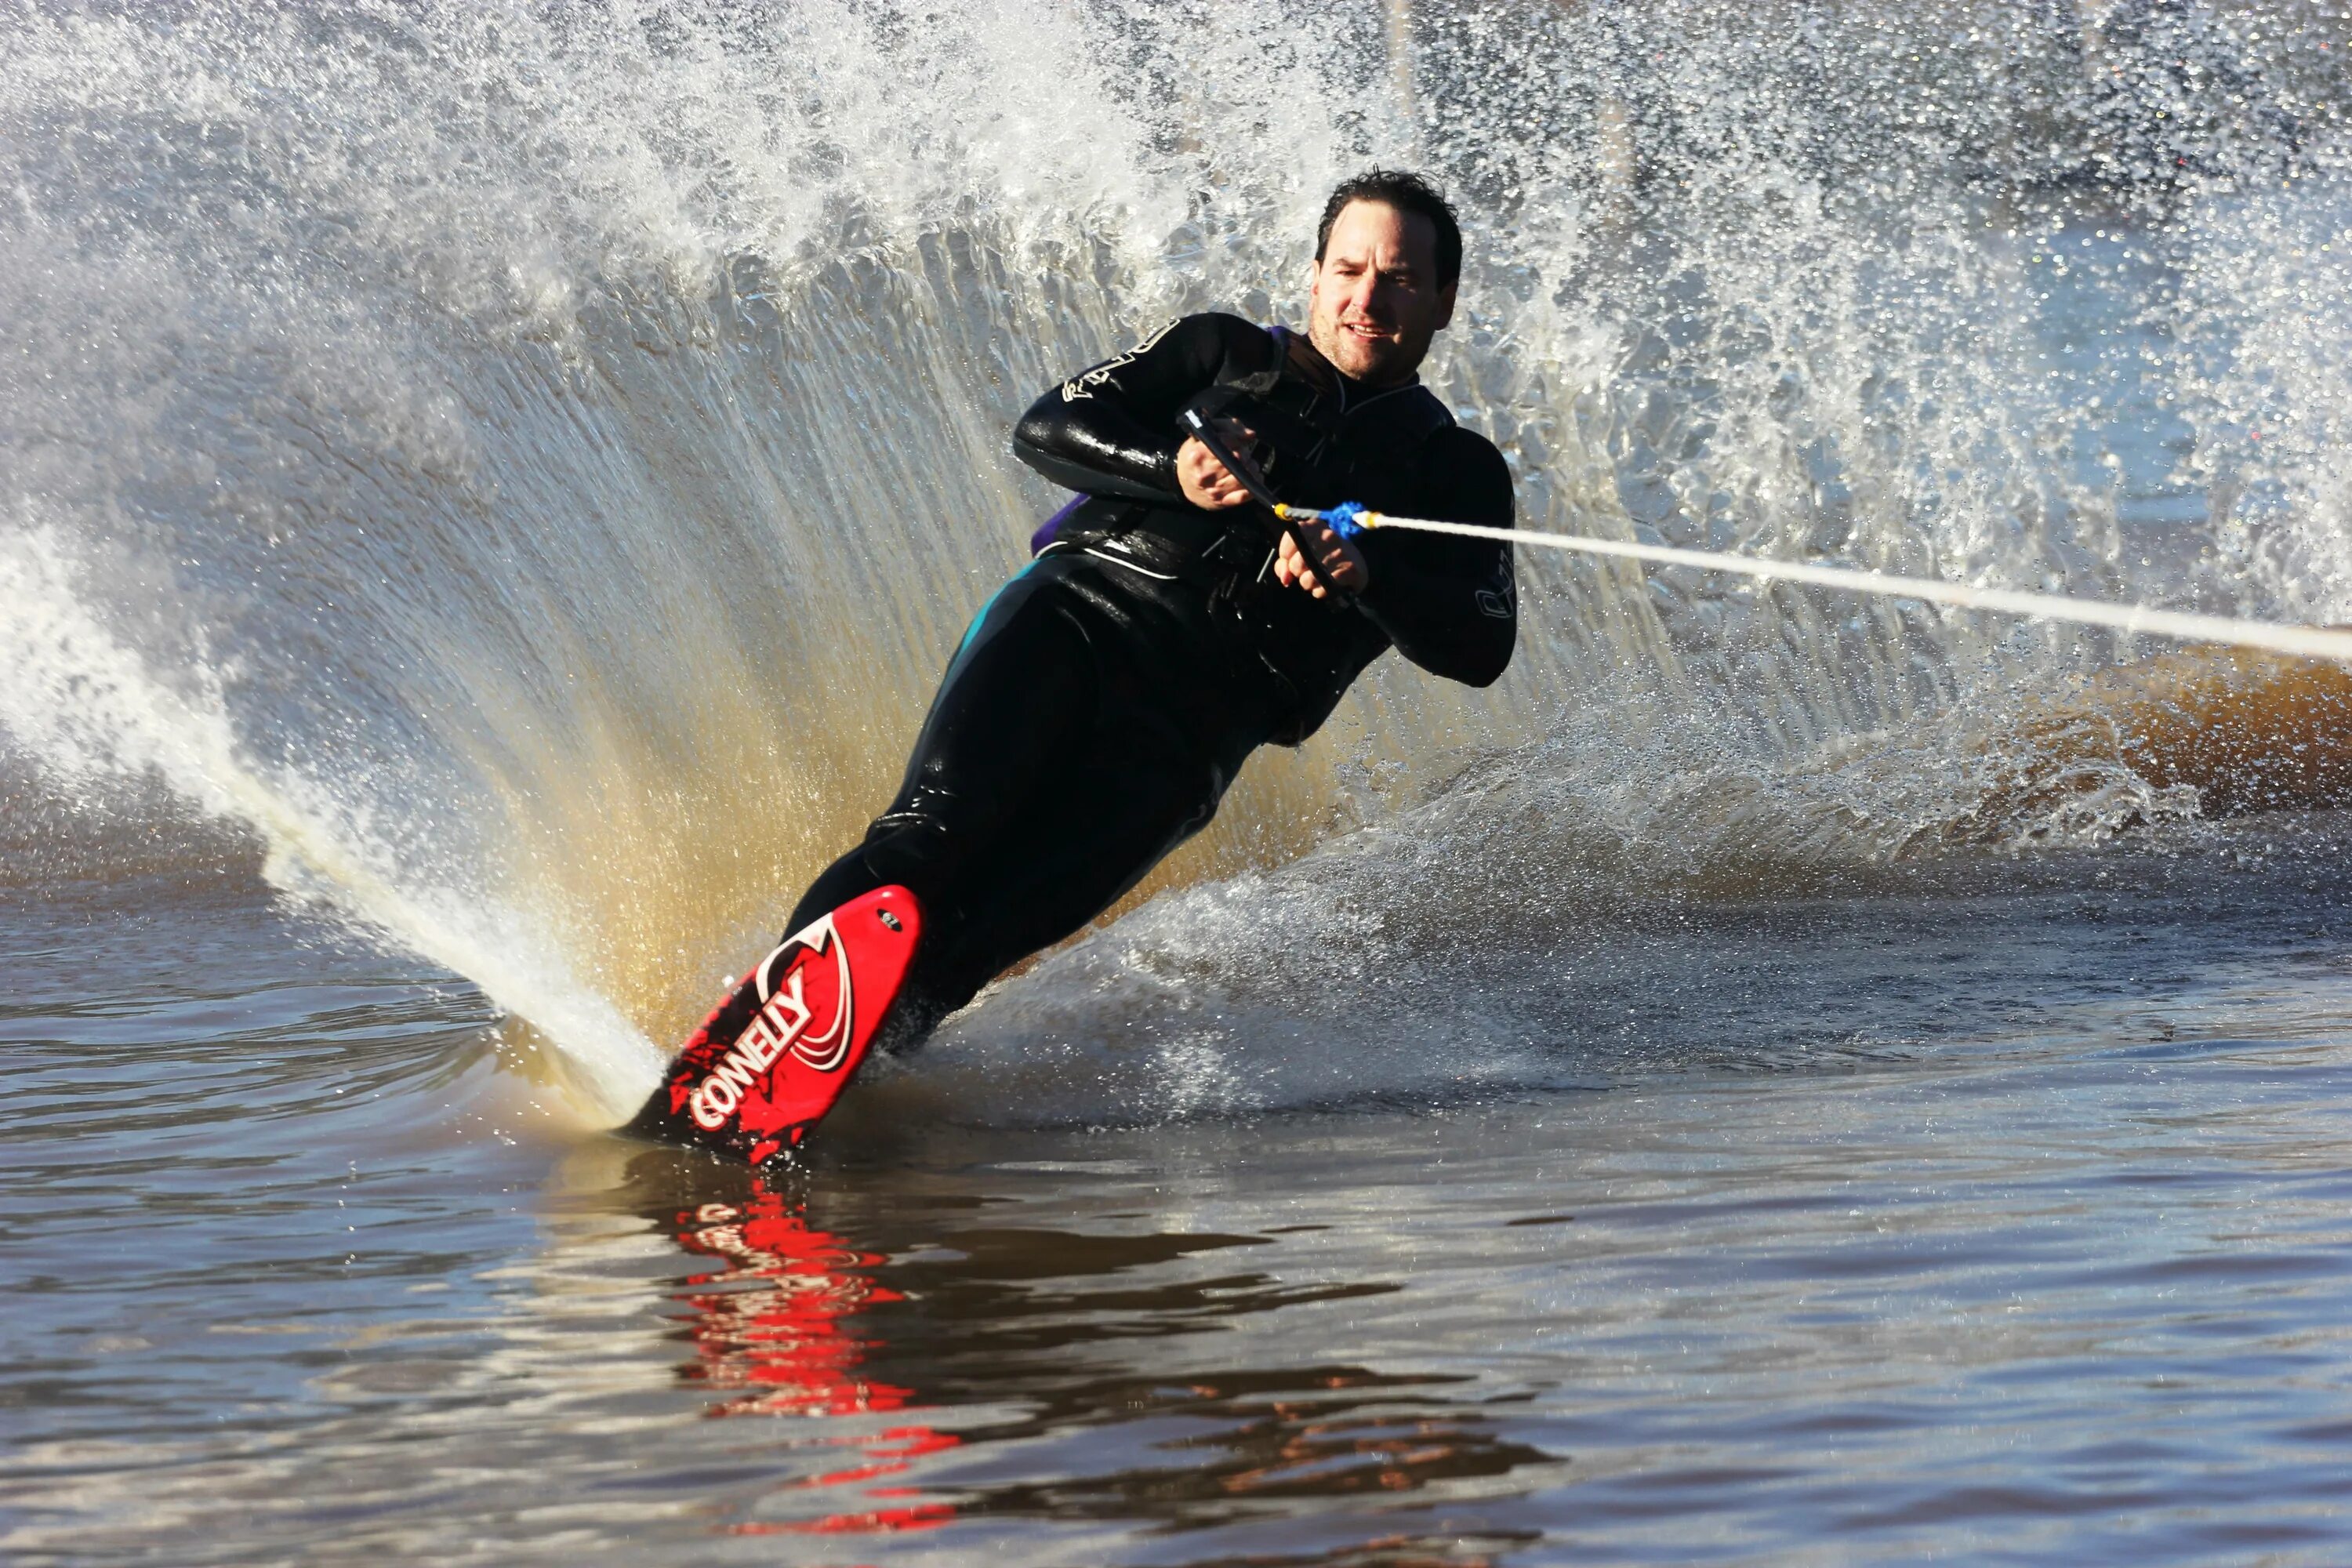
1205	430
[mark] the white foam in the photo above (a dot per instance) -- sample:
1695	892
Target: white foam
88	707
446	425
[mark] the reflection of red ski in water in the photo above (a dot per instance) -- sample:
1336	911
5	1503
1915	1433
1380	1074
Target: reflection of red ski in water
783	1044
783	1342
771	1329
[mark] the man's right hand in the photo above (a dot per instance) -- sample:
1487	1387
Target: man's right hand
1205	481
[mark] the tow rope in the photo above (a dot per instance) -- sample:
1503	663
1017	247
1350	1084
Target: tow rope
1349	521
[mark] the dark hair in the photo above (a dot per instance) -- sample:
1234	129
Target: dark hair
1408	193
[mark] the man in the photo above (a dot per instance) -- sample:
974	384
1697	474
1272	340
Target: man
1103	699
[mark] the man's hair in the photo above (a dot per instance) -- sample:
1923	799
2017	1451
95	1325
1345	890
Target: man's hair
1408	193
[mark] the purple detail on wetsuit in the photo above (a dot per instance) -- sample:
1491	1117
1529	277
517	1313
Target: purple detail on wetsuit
1053	525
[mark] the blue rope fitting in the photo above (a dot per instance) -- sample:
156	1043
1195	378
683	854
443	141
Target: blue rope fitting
1346	519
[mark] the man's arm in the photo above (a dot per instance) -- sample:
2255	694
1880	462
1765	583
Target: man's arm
1111	430
1450	605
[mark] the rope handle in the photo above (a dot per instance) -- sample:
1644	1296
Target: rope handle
1285	518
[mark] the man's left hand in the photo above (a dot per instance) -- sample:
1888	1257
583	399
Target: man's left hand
1337	562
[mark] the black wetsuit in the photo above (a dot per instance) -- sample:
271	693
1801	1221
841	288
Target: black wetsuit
1104	699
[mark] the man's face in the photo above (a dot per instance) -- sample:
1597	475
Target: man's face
1376	304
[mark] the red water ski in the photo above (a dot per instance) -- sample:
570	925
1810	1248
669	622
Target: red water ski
774	1055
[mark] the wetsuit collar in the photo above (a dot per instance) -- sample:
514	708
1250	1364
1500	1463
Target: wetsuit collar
1328	377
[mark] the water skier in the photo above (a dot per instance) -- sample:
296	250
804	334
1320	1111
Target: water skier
1104	699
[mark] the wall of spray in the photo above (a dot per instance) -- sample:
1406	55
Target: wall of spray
524	467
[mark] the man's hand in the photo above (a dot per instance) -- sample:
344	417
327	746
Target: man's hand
1204	480
1207	484
1338	562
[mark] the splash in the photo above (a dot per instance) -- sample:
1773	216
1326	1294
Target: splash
95	710
529	466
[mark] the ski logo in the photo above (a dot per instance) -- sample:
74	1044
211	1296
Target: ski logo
782	1026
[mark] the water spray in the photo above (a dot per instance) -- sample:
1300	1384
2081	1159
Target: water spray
1350	521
